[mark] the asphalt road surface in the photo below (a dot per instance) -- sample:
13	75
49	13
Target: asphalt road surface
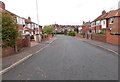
67	58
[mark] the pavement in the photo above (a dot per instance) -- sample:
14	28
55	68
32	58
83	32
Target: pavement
11	61
67	58
107	46
33	43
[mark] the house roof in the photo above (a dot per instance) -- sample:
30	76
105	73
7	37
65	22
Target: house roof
11	13
101	17
87	24
27	21
113	13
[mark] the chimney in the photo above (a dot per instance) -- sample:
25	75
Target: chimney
29	19
89	21
2	5
103	12
83	22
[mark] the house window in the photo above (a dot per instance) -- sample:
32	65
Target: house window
20	21
32	26
111	20
93	24
103	22
97	23
28	25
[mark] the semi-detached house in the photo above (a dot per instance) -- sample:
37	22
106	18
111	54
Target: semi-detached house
109	23
25	30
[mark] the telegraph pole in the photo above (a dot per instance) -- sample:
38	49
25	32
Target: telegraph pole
38	20
37	11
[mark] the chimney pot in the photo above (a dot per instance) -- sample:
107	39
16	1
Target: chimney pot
103	12
83	22
2	5
29	19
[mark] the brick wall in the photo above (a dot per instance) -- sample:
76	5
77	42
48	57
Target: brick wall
49	36
79	35
7	51
27	42
20	43
113	39
24	42
99	37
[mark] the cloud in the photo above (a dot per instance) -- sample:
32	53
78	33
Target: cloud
61	11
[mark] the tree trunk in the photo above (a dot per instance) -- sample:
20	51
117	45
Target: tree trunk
16	48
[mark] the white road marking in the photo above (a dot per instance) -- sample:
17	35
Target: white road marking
22	60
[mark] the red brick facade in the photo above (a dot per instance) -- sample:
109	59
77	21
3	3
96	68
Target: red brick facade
101	38
113	39
112	30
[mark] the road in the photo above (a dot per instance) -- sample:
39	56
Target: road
67	58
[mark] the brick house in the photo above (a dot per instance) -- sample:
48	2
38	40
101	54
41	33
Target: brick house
98	27
107	23
86	29
113	27
21	24
25	29
100	23
34	30
63	28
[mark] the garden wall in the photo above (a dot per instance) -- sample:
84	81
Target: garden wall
113	39
99	37
7	51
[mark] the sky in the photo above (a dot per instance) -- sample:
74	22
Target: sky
64	12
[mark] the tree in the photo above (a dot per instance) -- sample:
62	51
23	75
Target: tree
65	32
9	30
76	30
49	29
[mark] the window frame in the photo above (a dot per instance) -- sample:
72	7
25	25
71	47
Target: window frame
111	20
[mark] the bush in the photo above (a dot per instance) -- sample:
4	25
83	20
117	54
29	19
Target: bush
45	35
72	33
9	30
59	32
102	32
49	29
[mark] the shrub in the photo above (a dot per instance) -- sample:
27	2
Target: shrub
9	30
102	32
49	29
59	32
71	33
